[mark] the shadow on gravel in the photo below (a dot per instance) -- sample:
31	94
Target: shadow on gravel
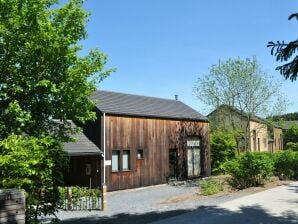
210	215
293	188
128	218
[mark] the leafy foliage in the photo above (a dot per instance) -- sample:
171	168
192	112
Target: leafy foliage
237	83
291	134
286	52
223	148
292	146
42	75
74	194
243	86
249	169
286	117
211	186
286	164
32	164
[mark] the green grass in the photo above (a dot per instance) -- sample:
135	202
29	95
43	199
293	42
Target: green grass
211	186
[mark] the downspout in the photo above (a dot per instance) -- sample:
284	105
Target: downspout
104	148
104	187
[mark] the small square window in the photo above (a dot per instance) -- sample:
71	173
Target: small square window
140	154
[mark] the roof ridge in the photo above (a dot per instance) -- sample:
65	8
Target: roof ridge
130	94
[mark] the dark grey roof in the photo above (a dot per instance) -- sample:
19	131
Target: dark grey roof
135	105
82	146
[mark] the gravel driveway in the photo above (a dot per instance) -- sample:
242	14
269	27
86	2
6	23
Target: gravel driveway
145	205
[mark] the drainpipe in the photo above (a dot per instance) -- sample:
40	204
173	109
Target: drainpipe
104	148
104	186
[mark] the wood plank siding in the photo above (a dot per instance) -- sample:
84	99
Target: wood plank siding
155	137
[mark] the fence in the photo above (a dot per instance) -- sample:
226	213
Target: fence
76	198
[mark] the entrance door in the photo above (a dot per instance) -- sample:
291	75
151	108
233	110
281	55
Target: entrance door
173	163
193	157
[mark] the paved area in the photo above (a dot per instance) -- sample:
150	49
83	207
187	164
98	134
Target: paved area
277	205
146	205
158	205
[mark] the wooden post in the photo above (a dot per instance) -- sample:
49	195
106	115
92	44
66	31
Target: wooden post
104	197
69	198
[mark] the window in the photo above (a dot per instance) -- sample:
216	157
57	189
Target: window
115	160
140	154
120	160
125	160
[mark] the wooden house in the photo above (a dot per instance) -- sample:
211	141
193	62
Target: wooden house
143	141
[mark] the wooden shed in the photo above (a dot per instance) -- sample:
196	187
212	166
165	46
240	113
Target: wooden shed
146	141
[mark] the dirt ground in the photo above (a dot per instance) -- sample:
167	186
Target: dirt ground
227	190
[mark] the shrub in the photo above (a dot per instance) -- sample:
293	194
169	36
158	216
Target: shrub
211	186
77	193
291	134
249	169
286	164
223	148
292	146
33	164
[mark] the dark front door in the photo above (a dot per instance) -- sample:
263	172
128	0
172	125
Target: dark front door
173	162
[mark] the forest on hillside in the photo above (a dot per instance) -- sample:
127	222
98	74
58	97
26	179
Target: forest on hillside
287	117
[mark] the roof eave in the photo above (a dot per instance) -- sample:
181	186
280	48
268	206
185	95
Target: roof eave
152	116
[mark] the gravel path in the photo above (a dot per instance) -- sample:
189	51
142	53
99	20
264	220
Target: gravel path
146	205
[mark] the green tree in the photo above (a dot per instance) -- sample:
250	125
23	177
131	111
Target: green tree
291	135
286	52
241	85
33	164
44	78
42	75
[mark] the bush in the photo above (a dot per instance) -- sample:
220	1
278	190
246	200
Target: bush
249	169
291	134
76	194
33	164
292	146
223	148
211	186
286	164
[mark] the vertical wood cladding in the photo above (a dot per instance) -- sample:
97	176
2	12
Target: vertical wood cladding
155	137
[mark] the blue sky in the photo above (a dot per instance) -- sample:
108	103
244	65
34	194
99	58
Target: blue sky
161	47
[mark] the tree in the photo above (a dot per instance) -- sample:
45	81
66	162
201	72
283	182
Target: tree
285	52
291	135
42	75
44	83
287	117
241	85
33	164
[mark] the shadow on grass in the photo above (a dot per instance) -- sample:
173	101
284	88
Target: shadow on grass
200	215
